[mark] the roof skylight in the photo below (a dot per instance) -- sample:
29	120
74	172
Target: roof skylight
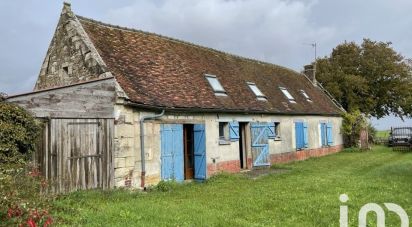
288	95
256	91
215	84
306	96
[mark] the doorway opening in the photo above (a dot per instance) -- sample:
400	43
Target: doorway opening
242	145
188	147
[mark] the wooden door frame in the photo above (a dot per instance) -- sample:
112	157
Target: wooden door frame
185	150
242	145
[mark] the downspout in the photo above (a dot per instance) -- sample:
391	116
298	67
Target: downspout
142	152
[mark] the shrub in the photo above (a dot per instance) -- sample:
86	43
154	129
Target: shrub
351	127
21	200
18	132
372	133
166	186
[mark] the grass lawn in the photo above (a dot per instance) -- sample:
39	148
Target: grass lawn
305	194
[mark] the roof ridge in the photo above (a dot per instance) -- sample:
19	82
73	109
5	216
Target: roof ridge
184	42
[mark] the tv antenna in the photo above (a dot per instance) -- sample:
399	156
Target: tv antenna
314	46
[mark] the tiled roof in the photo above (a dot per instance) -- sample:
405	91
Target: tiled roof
158	71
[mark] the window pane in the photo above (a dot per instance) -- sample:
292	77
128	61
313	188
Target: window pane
214	82
223	130
256	90
277	129
304	94
287	94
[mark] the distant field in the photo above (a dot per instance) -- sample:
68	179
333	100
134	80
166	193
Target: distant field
383	134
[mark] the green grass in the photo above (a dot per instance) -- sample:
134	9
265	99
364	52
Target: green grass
383	134
307	194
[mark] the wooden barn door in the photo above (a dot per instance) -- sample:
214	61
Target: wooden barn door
80	154
260	144
84	161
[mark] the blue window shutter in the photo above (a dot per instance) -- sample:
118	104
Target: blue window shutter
299	135
329	133
200	151
305	135
234	131
323	134
271	130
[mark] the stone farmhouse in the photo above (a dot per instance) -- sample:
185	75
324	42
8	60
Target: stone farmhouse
124	107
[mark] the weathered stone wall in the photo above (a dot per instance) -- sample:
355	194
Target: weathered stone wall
219	157
71	57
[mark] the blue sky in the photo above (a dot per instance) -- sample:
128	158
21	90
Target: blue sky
276	31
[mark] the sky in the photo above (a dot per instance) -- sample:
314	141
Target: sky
276	31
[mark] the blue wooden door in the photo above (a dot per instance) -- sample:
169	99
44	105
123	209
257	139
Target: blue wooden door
199	151
172	152
260	144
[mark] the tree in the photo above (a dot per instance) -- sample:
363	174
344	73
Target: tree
371	77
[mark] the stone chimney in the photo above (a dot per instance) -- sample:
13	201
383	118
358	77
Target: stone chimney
310	72
67	9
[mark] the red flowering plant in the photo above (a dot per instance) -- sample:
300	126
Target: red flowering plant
22	198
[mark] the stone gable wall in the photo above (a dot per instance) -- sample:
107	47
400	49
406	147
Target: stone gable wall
71	57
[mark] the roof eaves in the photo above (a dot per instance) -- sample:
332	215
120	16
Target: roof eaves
218	110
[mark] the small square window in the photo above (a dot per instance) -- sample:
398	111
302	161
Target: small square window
223	131
256	91
277	130
66	69
306	96
288	95
215	84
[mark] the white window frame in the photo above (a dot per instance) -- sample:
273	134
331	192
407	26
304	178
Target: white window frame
215	84
259	94
303	92
277	130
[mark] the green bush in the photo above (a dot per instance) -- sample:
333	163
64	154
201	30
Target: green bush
21	184
18	132
372	133
352	124
166	186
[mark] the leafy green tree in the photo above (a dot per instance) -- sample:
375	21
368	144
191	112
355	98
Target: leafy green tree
371	77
